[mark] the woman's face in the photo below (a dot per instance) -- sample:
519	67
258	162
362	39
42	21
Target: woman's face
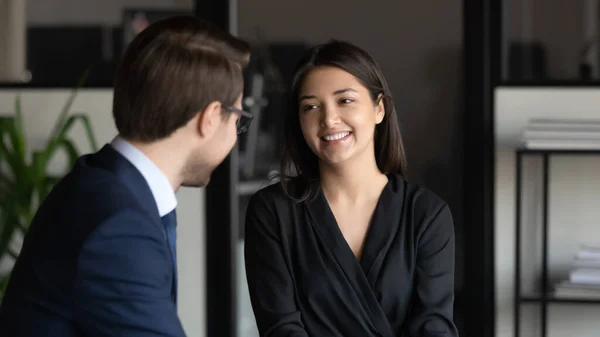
337	115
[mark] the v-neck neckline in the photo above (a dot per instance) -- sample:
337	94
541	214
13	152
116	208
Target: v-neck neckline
377	230
362	273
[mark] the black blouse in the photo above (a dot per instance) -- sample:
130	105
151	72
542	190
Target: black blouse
304	280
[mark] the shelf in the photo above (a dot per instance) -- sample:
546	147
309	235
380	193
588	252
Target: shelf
514	107
552	299
544	297
558	151
568	83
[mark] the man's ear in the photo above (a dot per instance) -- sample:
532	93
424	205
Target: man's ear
379	109
209	120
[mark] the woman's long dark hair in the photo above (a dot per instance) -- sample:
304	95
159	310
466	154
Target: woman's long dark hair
299	166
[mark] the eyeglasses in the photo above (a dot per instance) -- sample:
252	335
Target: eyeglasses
244	121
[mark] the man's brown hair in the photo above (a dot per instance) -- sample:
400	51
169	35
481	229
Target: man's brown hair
171	71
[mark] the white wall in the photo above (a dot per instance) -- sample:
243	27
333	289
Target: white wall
41	108
573	209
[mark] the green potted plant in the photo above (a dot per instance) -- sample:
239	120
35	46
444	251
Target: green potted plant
24	178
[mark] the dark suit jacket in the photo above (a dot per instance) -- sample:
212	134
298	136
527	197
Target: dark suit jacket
95	261
304	279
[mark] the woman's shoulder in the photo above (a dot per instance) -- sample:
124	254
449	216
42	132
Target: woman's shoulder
269	192
423	198
283	190
424	204
279	193
269	205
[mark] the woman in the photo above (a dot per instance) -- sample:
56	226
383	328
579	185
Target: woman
343	245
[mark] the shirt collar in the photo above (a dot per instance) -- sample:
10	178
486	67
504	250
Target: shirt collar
159	184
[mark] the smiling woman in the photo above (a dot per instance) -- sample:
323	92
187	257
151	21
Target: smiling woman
344	245
338	124
339	79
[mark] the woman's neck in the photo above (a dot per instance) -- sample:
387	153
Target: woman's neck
352	182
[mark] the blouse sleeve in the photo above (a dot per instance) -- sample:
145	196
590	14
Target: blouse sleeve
269	280
431	313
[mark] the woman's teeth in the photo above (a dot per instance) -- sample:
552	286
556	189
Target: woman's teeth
336	136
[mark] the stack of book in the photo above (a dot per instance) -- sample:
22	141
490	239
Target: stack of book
562	134
584	278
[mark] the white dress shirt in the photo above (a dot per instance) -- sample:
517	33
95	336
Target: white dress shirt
160	186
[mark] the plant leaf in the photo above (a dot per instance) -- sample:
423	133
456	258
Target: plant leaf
3	285
25	184
72	152
23	213
62	136
19	141
87	125
15	161
7	187
8	224
62	117
12	253
39	161
47	186
89	131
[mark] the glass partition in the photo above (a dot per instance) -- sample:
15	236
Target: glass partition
545	41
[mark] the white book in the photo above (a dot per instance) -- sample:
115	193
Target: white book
588	252
586	263
585	276
590	246
577	294
562	123
562	135
562	144
567	289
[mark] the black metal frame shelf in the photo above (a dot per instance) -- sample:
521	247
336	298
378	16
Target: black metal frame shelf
549	298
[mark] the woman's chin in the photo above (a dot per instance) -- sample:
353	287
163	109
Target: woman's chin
335	159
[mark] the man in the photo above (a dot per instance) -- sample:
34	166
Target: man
99	258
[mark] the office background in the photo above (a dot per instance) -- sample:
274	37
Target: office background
465	76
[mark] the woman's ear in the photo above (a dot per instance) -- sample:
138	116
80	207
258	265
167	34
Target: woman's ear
379	109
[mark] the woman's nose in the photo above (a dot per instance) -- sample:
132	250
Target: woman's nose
329	116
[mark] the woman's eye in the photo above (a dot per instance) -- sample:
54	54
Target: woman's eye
309	107
346	101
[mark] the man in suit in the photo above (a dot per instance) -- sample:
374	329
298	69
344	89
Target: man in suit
99	258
